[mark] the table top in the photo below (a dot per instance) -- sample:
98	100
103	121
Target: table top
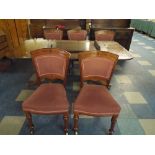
74	47
116	48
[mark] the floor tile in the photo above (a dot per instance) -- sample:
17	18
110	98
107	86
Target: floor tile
130	127
144	63
126	111
153	52
76	86
148	126
24	94
136	55
118	67
83	116
76	71
123	79
148	47
135	40
152	72
140	43
11	125
32	78
135	98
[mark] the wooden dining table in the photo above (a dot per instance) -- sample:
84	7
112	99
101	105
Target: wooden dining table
74	47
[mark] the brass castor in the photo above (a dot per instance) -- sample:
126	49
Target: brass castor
76	133
66	133
32	130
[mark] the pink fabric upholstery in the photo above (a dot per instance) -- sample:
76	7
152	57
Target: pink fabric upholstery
77	34
97	101
50	64
47	99
53	34
104	35
97	66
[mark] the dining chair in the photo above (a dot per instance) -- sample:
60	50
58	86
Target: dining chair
77	34
48	98
53	34
104	35
94	99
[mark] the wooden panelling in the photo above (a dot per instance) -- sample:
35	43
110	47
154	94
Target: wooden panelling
13	32
110	23
22	30
16	31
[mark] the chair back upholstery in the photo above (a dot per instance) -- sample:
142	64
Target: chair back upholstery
77	34
53	34
51	63
97	66
104	35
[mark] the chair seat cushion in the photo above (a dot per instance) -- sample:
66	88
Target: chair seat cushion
47	99
95	100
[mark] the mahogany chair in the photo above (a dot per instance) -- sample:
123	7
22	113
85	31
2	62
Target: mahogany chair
48	98
104	35
93	99
77	34
53	34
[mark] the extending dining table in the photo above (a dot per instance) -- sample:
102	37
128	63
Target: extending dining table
74	47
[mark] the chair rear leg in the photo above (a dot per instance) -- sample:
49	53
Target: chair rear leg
76	117
113	122
66	122
30	123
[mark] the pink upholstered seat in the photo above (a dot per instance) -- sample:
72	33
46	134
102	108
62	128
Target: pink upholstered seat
49	98
77	34
104	35
53	34
96	100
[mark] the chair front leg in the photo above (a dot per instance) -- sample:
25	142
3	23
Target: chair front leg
66	118
30	123
113	122
76	117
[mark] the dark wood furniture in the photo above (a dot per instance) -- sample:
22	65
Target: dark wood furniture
74	47
4	48
121	27
114	47
3	44
37	25
95	100
49	98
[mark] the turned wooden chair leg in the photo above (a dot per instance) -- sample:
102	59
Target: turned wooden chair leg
76	117
66	118
113	122
30	123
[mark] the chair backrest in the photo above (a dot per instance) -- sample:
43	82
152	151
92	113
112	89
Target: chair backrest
97	66
53	34
77	34
51	63
104	35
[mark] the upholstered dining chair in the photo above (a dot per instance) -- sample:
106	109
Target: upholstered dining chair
48	98
104	35
77	34
53	34
93	99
